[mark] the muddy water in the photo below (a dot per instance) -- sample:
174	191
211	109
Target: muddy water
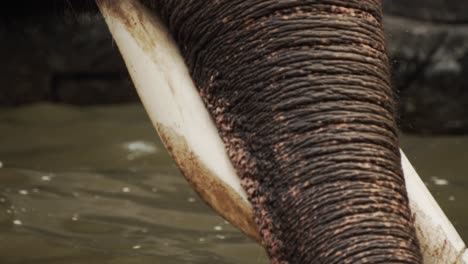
95	185
442	162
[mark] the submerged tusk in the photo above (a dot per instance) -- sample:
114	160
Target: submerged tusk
184	125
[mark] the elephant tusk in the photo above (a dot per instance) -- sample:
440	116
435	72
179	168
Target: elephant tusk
440	242
176	110
184	125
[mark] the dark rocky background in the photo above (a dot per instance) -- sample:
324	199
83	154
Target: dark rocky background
46	57
70	60
428	44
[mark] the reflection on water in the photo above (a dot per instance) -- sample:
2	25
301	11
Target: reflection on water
94	185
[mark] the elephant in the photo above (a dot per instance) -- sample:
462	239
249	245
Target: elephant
300	95
282	116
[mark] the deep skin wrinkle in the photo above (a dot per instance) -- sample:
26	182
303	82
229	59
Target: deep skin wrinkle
301	96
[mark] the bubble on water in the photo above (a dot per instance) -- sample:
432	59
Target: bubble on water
191	200
23	192
75	217
17	222
46	178
218	228
2	200
439	181
202	239
136	247
220	237
452	198
139	148
125	189
1	164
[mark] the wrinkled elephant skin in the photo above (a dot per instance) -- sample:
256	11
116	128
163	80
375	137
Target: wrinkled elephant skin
301	98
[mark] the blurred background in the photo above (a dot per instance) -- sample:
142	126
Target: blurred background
85	179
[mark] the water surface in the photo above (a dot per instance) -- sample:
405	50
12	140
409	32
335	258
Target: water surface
95	185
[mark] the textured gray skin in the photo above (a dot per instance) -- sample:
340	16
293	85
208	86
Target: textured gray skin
300	94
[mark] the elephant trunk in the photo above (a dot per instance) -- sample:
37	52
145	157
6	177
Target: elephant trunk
301	96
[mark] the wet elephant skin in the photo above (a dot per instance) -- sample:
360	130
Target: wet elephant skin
300	94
